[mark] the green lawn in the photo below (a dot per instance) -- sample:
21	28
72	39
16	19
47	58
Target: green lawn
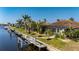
56	42
19	29
53	42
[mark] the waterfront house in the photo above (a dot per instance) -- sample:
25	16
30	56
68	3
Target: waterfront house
61	25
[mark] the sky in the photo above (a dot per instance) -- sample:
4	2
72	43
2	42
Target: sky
11	14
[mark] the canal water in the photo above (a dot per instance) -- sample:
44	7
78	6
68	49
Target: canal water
8	41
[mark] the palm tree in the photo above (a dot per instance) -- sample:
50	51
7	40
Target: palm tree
72	19
19	23
27	22
40	25
58	19
33	25
45	20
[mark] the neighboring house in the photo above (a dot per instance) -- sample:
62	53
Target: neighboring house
61	25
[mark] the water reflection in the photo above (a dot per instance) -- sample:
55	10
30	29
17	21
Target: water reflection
20	44
10	33
7	42
10	42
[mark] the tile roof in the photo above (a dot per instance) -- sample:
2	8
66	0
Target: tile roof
65	23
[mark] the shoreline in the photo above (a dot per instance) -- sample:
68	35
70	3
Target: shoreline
49	48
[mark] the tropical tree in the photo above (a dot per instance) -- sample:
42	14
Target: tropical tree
19	23
41	25
27	22
33	26
38	26
44	20
72	19
69	32
49	32
58	19
44	25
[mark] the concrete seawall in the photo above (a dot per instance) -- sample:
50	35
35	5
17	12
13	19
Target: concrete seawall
39	44
35	42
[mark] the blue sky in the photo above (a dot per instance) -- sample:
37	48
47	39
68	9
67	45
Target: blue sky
11	14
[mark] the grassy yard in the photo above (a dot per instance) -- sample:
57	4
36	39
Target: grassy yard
63	46
56	42
72	46
19	29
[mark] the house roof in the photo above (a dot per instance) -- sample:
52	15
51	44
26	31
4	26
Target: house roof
65	23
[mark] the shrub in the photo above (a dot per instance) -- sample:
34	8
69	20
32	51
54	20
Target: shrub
73	34
57	35
49	32
62	36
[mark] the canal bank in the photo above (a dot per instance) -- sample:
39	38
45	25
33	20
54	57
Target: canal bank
48	47
39	46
